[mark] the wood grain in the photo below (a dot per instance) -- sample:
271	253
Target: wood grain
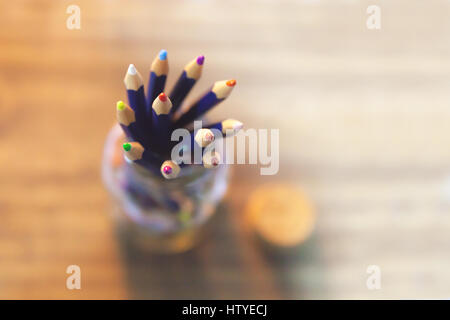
365	132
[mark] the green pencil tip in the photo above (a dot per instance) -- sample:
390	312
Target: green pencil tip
120	105
126	146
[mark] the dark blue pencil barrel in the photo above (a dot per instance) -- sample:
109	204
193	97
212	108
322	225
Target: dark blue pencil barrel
161	125
161	107
191	73
156	85
131	135
157	80
217	126
198	109
181	90
136	99
137	103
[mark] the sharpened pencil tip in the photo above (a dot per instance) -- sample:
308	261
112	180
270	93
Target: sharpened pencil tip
200	60
162	104
230	127
170	169
132	69
211	159
162	96
163	54
237	125
231	83
167	170
209	137
120	105
126	146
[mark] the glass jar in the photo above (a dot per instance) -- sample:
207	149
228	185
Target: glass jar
156	213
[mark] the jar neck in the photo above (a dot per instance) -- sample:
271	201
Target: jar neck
137	174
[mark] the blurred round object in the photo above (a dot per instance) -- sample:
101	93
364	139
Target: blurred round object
281	214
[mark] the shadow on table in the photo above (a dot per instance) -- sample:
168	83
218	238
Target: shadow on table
227	264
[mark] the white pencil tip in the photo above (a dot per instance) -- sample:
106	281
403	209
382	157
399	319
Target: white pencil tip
132	69
238	125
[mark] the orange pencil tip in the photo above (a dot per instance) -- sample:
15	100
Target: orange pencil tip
231	83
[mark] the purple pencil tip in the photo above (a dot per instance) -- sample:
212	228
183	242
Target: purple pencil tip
200	60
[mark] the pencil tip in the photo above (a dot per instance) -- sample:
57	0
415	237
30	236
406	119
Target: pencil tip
163	54
208	137
170	169
132	69
162	96
204	137
127	146
200	60
211	159
231	83
120	105
167	170
237	125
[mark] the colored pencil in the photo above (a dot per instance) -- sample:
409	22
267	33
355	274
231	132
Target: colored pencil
149	121
198	139
203	137
157	80
170	169
191	73
161	107
135	152
211	159
136	96
219	92
127	120
228	127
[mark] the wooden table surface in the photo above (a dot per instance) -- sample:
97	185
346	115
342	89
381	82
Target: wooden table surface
364	129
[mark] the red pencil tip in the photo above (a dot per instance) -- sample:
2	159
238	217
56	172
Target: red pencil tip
162	97
231	83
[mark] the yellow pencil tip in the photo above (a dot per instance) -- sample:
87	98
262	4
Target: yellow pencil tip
120	105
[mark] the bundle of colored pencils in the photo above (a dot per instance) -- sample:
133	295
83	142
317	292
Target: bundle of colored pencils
150	119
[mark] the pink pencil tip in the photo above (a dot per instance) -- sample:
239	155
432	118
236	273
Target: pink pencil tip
209	137
167	170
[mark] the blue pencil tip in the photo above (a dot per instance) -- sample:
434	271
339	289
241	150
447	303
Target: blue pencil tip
163	55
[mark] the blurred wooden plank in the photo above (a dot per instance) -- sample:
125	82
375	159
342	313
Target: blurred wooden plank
366	133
